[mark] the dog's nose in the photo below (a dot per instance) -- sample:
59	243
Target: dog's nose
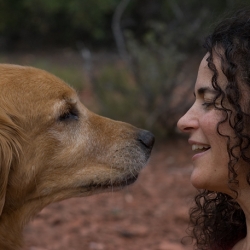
146	138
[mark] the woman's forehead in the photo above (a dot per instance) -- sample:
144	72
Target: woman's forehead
205	74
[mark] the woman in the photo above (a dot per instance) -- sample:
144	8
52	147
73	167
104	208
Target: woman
218	125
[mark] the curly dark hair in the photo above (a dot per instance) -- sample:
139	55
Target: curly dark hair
217	221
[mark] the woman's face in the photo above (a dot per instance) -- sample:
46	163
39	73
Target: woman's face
210	157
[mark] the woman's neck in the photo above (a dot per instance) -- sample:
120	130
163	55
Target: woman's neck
244	202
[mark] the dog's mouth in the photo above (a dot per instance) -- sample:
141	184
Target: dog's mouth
110	185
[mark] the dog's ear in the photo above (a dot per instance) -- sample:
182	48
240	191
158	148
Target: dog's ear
10	149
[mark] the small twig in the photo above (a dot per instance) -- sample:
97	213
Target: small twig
117	31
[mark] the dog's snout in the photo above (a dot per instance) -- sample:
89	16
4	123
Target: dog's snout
146	138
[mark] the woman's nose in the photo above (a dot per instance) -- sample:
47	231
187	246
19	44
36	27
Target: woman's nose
188	122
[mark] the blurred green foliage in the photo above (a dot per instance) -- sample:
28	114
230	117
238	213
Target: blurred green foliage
117	93
155	66
59	22
63	23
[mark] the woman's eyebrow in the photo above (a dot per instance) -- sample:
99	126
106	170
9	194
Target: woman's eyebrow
201	91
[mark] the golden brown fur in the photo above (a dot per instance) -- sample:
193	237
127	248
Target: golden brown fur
53	148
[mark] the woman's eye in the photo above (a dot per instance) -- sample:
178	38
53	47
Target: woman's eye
71	115
207	104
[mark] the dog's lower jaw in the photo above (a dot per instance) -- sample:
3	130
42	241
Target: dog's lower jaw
110	185
18	217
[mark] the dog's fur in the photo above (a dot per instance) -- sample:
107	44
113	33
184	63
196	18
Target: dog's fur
53	148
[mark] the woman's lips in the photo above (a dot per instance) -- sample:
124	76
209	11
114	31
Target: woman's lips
199	148
199	152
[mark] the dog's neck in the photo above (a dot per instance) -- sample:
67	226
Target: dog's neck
12	224
10	233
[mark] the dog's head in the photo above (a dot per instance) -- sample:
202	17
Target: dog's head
52	147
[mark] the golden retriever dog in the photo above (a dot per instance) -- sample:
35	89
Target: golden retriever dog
53	148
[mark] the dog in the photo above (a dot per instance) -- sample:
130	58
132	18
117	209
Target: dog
53	148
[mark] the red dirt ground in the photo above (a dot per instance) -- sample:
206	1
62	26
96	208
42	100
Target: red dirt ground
152	214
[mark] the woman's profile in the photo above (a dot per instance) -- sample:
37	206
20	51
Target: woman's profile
218	125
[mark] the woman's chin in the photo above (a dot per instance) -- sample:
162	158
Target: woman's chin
197	183
199	180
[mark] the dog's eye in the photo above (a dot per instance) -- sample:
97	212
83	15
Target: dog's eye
70	115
